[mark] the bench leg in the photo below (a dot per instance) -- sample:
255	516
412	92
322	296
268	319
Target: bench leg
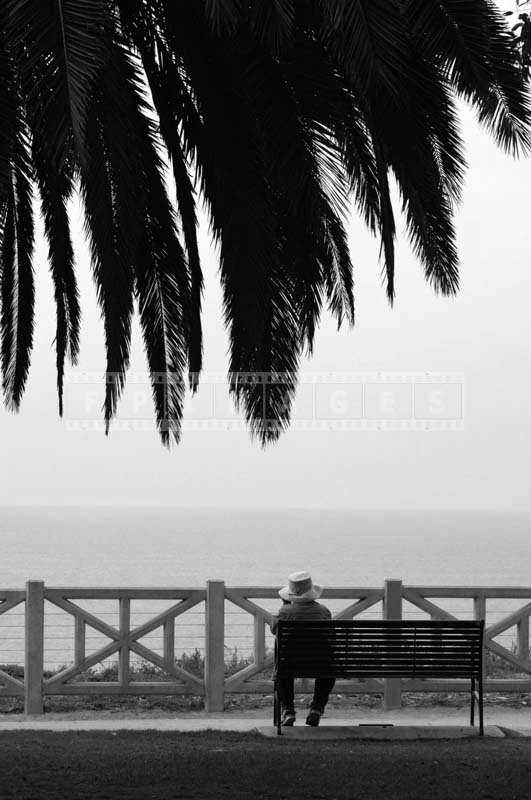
480	704
276	710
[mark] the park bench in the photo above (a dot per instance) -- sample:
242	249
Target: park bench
381	649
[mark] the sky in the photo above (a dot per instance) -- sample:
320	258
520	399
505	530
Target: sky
482	336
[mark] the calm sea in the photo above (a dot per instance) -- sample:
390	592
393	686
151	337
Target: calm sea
185	547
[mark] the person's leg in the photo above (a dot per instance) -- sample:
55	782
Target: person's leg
286	691
322	689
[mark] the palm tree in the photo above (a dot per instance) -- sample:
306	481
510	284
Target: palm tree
276	115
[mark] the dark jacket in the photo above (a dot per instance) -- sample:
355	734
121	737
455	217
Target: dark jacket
301	610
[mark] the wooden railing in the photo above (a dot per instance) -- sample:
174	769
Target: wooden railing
124	639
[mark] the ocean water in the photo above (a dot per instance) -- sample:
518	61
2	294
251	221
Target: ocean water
176	547
186	547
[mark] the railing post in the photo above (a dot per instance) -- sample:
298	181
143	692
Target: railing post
123	656
79	641
392	609
259	639
215	646
34	648
480	612
522	628
169	642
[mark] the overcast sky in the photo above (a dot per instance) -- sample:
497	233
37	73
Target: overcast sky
484	333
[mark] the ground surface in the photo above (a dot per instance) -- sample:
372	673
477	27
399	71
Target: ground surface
517	718
164	766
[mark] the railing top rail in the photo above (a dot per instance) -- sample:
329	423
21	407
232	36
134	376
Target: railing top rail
270	592
510	592
133	593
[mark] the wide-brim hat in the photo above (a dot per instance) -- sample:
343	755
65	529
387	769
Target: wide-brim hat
300	587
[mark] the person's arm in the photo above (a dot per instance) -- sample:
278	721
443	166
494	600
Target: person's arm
324	612
281	615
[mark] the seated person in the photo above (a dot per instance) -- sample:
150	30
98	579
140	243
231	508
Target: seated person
300	603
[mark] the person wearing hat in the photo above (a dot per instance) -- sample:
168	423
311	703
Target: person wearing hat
300	603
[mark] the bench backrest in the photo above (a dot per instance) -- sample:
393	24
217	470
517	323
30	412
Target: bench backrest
358	648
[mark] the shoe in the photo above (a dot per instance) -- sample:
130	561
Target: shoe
313	718
288	719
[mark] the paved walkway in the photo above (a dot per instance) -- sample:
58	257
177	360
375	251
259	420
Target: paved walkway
516	720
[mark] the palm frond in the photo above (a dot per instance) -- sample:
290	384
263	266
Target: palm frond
108	182
508	110
24	299
282	248
187	213
368	39
426	203
222	15
369	45
339	280
386	220
306	173
266	393
18	293
16	232
259	304
412	136
61	50
163	99
7	288
273	23
9	111
135	244
471	41
55	190
361	155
